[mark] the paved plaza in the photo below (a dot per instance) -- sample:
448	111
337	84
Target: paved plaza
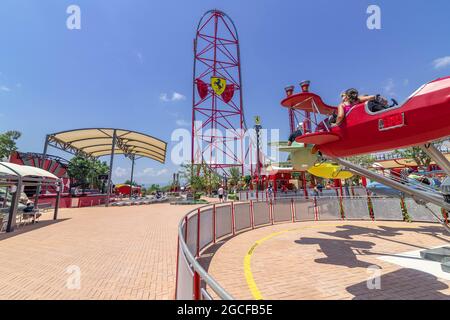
120	253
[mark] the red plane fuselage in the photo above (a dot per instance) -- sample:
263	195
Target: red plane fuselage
423	118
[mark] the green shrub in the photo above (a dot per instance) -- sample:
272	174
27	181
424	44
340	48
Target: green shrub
198	195
233	197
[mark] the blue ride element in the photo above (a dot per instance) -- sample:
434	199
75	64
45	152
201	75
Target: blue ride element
381	190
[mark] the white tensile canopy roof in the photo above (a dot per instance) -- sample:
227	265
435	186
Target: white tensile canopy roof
12	169
97	142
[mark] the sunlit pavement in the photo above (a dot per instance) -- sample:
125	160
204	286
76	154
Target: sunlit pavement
120	253
329	260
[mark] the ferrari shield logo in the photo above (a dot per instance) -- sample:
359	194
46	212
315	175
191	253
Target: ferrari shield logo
218	85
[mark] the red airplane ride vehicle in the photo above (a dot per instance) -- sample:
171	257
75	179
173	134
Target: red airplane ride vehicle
422	118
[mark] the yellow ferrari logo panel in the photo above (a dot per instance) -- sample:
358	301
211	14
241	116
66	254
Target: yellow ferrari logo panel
218	85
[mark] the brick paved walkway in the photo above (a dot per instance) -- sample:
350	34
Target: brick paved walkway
122	253
329	260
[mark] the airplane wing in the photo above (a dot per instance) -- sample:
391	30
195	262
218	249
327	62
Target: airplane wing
329	171
292	148
317	138
308	101
278	144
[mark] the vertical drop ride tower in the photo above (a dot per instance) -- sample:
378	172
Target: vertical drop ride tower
218	124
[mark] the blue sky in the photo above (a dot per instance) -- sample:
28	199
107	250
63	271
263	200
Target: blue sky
129	55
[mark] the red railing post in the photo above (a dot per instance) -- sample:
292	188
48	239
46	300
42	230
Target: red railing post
445	215
316	209
198	232
271	211
185	228
252	215
370	205
176	270
233	218
196	289
214	223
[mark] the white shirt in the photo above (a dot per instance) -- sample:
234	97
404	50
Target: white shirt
220	191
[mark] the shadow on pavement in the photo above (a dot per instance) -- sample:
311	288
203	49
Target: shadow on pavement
339	252
403	284
30	227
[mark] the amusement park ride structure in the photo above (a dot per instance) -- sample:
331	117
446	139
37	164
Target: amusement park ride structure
421	120
218	123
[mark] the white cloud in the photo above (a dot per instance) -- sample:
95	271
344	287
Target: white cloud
441	62
178	96
389	87
175	97
183	123
151	172
5	88
140	57
120	172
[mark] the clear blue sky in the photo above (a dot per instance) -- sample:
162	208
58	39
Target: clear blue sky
113	71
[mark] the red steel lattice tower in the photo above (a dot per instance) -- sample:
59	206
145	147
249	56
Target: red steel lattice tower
218	124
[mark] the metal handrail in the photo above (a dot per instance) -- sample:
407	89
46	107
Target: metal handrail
213	284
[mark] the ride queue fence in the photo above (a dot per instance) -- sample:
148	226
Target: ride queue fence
206	225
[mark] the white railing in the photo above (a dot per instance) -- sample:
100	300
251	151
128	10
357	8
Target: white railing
204	226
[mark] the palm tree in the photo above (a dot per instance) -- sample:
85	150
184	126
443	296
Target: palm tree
235	176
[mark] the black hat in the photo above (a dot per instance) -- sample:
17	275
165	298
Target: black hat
352	93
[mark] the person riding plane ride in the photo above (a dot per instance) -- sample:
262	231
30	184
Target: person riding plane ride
295	134
350	98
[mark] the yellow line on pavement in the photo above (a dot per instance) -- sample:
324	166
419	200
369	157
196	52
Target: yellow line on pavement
248	257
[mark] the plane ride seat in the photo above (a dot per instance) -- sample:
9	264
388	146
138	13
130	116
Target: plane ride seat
380	104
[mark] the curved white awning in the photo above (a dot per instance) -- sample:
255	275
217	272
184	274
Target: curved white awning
12	169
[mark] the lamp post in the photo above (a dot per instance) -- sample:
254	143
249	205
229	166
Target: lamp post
258	127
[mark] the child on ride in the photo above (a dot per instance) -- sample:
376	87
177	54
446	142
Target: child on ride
350	98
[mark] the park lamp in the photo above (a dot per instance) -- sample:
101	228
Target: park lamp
289	90
304	85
